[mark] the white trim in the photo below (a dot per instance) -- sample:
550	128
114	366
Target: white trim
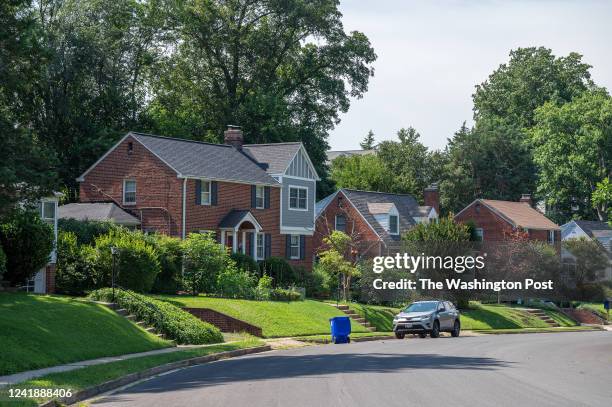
299	246
263	197
209	203
247	218
183	232
232	181
360	214
396	215
135	191
263	246
292	230
289	197
312	167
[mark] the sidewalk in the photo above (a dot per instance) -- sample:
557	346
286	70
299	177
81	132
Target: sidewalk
27	375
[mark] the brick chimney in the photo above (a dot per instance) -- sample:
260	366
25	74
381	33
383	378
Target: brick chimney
432	197
233	136
527	199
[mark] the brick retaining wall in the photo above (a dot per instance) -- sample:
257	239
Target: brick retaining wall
224	322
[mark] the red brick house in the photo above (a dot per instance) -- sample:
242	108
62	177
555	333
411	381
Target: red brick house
375	220
498	220
256	199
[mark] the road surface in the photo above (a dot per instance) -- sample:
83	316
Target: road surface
561	369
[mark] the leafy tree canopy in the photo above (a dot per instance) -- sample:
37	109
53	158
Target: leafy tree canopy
368	141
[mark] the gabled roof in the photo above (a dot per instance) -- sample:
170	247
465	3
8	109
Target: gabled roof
235	217
98	211
278	156
592	227
518	214
196	159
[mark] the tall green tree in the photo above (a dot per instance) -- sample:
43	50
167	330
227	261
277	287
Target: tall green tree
364	172
368	141
283	70
572	146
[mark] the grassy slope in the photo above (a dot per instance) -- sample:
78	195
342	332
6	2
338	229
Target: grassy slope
597	307
41	331
275	318
94	375
379	316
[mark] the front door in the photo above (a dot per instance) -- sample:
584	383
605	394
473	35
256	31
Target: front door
39	282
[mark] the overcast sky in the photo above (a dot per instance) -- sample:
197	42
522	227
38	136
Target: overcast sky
432	53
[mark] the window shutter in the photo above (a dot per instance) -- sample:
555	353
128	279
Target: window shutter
302	246
213	193
266	197
198	192
253	196
288	247
253	245
268	245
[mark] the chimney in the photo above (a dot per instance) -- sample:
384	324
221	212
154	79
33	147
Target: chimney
527	199
432	197
233	136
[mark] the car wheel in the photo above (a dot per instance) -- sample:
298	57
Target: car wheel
423	335
456	329
435	331
400	335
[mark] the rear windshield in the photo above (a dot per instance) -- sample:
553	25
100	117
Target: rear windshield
421	307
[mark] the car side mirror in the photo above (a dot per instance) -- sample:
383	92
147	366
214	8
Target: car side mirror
441	310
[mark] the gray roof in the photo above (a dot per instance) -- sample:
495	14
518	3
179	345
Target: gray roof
590	226
233	218
99	211
212	161
277	156
331	155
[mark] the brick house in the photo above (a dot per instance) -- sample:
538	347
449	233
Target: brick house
498	220
374	220
256	199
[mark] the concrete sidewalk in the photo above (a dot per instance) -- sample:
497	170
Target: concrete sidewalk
27	375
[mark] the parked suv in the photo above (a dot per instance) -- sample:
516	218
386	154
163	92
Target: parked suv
427	317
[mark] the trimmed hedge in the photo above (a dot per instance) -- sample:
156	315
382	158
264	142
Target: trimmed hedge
167	319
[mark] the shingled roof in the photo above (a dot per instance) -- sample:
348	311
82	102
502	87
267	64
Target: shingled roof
277	156
97	211
590	227
520	214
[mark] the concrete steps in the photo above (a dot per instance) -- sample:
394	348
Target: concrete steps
132	318
355	316
543	316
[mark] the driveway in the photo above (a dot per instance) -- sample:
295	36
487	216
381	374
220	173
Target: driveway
562	369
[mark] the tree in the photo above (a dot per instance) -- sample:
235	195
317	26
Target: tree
572	147
368	141
532	77
590	260
283	70
204	259
27	242
338	259
602	199
366	172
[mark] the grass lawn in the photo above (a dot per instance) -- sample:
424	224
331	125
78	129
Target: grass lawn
275	318
597	307
380	317
38	331
94	375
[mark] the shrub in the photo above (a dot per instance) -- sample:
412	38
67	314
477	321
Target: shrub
279	269
285	294
245	262
137	262
170	254
27	242
86	231
2	263
235	283
317	282
75	265
167	319
264	286
204	259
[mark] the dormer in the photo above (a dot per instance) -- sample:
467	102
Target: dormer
387	215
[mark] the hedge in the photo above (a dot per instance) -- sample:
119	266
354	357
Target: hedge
167	319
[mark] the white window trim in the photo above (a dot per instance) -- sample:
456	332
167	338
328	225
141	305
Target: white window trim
481	235
551	237
397	231
42	210
202	202
125	181
259	188
292	246
289	198
263	246
336	222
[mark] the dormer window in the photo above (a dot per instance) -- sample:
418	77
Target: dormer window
394	224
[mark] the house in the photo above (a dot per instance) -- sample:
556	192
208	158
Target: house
375	220
498	220
596	230
256	199
98	212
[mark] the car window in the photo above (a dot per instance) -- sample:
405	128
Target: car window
421	307
441	306
449	305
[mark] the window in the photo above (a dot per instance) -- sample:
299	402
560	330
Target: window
130	148
295	247
551	237
205	193
479	234
260	254
441	307
393	224
260	197
48	211
129	192
298	198
341	223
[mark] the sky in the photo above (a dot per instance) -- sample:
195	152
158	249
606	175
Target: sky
432	53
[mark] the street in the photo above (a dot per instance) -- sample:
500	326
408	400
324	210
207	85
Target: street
563	369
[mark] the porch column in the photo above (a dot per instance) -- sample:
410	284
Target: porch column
235	241
243	242
222	237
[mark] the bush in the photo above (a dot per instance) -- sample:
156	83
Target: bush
75	273
264	286
204	260
317	283
245	262
27	242
137	262
170	253
235	283
279	269
86	231
285	294
167	319
2	263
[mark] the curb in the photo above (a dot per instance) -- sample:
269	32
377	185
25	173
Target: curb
539	332
358	339
134	377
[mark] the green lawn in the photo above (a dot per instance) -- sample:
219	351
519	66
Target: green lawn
39	331
94	375
597	307
380	317
275	318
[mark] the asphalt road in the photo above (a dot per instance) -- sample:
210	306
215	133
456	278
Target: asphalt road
562	369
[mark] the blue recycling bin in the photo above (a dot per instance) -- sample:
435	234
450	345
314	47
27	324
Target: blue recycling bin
340	329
